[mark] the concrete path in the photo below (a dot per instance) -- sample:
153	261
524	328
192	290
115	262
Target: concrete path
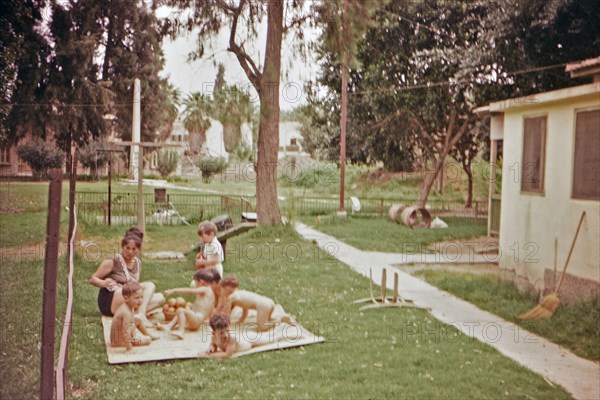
580	377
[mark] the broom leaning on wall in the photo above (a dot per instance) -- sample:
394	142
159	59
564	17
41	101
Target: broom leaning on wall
550	303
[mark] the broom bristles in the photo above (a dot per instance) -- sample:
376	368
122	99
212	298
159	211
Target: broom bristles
544	310
551	302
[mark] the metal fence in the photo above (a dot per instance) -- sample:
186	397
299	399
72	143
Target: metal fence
93	207
380	206
169	208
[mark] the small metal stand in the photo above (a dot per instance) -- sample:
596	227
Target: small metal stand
384	301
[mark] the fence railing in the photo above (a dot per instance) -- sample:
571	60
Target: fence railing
93	207
380	206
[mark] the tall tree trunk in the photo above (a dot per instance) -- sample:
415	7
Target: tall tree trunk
232	136
452	135
467	168
440	181
430	178
267	207
196	139
343	130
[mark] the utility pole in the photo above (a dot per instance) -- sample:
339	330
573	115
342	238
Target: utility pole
137	154
344	50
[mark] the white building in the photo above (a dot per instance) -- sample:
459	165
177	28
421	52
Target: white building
550	176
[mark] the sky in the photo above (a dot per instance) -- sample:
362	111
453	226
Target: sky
200	75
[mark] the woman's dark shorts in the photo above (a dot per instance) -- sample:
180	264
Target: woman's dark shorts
105	298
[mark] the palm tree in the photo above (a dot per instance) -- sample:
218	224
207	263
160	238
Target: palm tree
196	119
170	109
233	108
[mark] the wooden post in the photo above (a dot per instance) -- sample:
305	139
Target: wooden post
141	223
137	150
492	187
109	187
383	286
49	294
136	137
72	189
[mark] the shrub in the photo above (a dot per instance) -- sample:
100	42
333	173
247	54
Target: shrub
177	179
210	166
244	153
40	156
90	157
316	175
166	162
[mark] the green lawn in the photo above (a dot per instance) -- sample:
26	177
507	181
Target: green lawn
322	178
382	234
372	354
576	327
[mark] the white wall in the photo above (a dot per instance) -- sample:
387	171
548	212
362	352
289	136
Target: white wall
530	222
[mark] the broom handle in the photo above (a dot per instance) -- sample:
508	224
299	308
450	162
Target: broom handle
562	275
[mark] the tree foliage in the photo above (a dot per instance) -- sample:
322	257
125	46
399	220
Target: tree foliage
79	100
243	20
133	37
232	107
166	162
425	66
170	108
209	166
40	156
196	119
91	157
63	78
23	70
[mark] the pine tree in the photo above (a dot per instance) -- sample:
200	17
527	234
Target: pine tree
23	71
232	108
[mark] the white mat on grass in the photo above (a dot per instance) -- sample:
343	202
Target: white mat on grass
196	343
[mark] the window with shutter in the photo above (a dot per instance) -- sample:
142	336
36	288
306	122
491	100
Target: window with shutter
586	157
534	154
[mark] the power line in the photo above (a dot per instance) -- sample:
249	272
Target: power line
427	85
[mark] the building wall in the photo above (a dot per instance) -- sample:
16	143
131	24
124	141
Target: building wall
531	222
11	164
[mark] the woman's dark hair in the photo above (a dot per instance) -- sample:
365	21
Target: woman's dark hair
132	238
134	230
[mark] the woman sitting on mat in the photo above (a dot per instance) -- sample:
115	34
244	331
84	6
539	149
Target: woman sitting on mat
124	268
